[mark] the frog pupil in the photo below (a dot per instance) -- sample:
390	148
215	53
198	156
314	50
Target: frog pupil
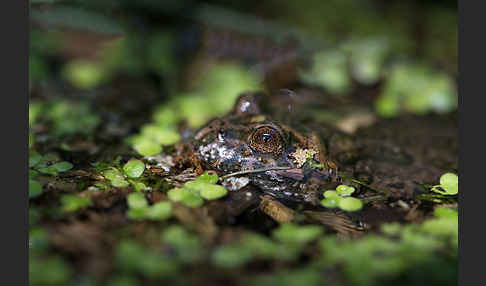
266	137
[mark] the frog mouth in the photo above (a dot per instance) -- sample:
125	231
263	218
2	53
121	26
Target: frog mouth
244	172
293	173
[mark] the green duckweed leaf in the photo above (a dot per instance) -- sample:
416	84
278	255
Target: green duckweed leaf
177	194
123	280
31	140
34	158
84	74
330	193
213	192
147	148
136	201
393	228
185	196
33	174
119	183
62	166
350	204
207	178
193	201
445	213
35	188
449	182
71	203
134	257
329	70
134	168
49	271
195	185
159	211
165	115
160	134
205	186
113	174
138	186
49	170
138	213
187	245
295	234
230	256
38	240
344	191
331	202
116	178
178	236
260	245
446	226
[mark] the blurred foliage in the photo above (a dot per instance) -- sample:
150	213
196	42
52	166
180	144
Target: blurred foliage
329	70
75	17
48	165
441	45
305	276
67	117
71	203
35	188
212	99
367	58
193	192
294	234
42	45
134	55
399	252
133	257
84	74
48	271
187	245
409	51
139	208
416	88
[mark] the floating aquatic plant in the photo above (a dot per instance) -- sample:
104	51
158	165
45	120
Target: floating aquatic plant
139	209
71	203
193	192
341	198
449	184
129	175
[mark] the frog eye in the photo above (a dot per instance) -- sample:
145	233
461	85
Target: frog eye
266	140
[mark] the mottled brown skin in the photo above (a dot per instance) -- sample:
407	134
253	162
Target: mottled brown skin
247	139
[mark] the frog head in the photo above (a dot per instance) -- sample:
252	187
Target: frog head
274	157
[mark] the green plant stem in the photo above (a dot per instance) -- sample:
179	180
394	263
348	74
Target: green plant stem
384	193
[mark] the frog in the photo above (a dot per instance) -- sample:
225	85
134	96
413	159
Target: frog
282	161
281	167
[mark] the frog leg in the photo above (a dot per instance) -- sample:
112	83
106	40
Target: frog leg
275	209
337	221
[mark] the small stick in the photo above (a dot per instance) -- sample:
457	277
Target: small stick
254	171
